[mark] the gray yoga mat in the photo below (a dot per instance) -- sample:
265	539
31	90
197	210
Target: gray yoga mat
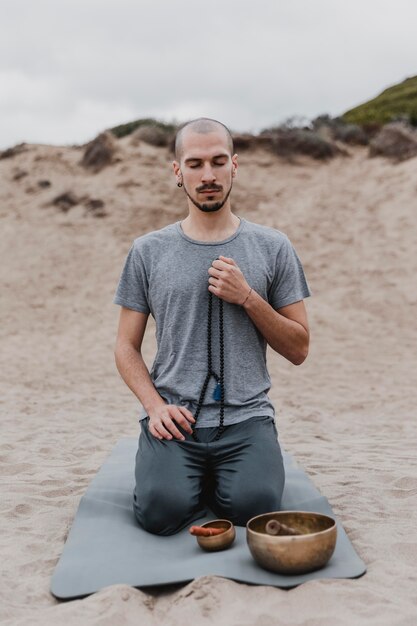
107	546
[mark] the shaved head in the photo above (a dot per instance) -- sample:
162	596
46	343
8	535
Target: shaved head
202	126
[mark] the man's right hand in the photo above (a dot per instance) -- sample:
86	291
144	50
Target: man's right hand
161	422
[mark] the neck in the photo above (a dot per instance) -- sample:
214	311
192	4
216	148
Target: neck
210	226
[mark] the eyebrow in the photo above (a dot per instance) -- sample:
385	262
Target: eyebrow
217	156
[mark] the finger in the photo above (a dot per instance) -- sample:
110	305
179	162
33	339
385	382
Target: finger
170	425
213	271
161	430
220	265
162	427
182	421
154	432
227	259
186	415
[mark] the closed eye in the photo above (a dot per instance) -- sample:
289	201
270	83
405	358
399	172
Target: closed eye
215	163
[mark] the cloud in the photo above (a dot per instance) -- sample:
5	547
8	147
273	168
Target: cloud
69	69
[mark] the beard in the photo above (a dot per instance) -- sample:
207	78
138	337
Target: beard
213	206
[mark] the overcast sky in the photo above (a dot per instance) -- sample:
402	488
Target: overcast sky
69	69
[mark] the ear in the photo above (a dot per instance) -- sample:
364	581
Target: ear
176	167
234	164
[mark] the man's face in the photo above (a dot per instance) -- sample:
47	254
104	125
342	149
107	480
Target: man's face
207	169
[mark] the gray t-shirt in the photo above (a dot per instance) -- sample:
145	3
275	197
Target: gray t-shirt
166	274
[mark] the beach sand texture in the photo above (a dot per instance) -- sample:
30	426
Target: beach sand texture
348	413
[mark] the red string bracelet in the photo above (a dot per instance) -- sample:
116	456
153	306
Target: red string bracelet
250	290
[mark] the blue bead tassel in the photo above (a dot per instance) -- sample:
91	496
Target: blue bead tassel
217	393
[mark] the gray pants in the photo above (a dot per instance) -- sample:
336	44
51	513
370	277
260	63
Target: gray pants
239	476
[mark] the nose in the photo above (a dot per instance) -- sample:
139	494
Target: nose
207	174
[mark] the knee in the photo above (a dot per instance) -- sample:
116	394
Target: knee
161	513
248	503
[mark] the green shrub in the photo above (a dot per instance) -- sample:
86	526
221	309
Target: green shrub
397	141
287	142
99	152
351	134
126	129
151	134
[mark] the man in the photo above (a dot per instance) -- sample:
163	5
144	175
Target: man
248	282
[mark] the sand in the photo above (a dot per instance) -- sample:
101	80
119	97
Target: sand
348	413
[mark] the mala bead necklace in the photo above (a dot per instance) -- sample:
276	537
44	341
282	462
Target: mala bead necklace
219	390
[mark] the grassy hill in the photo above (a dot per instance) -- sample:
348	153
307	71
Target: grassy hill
398	101
126	129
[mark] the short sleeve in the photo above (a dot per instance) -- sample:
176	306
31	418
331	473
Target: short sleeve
289	284
132	290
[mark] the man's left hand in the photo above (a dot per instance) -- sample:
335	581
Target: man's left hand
227	281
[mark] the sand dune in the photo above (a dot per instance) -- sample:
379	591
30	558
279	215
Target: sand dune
347	413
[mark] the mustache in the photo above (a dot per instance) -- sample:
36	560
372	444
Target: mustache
209	188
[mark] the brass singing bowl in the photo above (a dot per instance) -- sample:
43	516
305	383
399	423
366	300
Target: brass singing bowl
218	542
292	554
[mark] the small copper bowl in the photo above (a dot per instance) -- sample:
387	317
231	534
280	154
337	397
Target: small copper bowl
218	542
292	554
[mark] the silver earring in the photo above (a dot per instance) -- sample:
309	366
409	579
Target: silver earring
179	184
